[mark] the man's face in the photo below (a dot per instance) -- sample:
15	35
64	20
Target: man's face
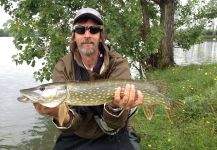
87	42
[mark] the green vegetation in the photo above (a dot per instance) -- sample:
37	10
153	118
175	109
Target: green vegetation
193	128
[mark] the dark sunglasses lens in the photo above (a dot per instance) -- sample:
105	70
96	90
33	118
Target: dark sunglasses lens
80	30
94	29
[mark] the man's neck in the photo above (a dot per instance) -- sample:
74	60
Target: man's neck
90	61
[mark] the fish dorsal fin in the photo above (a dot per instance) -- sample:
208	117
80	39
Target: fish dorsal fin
148	111
63	110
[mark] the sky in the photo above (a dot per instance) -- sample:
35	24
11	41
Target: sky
3	17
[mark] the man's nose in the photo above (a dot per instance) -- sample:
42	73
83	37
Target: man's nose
87	33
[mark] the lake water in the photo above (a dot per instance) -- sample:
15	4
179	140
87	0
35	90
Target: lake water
204	53
21	127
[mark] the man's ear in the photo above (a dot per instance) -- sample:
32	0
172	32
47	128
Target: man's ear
103	36
72	44
73	35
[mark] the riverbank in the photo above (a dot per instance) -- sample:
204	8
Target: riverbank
196	126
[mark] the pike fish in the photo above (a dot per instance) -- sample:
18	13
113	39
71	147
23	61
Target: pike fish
92	93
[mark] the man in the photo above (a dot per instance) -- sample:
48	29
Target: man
97	127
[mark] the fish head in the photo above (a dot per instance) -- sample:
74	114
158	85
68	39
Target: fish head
46	93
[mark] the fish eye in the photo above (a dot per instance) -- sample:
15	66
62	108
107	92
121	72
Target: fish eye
42	88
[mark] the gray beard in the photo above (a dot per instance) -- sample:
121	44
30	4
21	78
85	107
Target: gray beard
89	51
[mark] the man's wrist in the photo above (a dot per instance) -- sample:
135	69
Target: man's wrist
113	108
112	105
116	112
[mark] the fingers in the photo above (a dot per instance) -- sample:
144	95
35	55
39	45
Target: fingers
117	98
125	98
129	96
139	99
62	116
38	108
46	110
129	99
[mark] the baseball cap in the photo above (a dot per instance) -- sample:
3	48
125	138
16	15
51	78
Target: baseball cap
88	12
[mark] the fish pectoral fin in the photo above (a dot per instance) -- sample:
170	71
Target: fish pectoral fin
63	110
148	111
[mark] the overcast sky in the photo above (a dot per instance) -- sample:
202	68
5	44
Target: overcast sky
3	17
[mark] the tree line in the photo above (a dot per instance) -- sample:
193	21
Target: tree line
4	33
144	31
210	34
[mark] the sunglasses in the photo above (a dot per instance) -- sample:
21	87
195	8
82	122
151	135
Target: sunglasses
92	29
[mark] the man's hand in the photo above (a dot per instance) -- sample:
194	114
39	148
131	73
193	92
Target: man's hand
53	112
129	99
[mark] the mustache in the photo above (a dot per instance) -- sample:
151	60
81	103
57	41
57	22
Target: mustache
87	41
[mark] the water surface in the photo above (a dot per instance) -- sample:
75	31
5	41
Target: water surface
204	53
21	127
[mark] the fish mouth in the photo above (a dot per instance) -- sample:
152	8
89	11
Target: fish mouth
28	99
23	99
29	95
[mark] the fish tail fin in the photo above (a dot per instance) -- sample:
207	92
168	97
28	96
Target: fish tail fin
148	110
62	113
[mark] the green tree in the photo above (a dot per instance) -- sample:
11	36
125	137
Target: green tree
164	56
192	19
129	33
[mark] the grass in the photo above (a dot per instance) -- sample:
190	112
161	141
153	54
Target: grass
193	128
